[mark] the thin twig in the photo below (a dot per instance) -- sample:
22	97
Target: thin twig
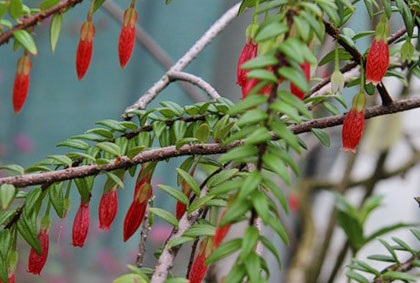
185	60
32	20
151	46
194	149
143	236
195	80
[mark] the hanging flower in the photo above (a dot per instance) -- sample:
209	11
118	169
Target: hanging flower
127	36
84	49
37	260
378	56
182	207
220	232
249	52
108	207
81	224
21	85
199	267
142	193
306	68
354	123
337	82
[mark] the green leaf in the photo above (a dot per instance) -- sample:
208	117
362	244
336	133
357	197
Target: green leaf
384	258
179	128
116	179
271	30
97	4
165	215
260	62
226	187
3	8
356	276
16	9
55	30
13	168
285	109
189	180
295	76
251	117
200	230
24	38
251	183
285	134
32	199
83	188
221	177
397	275
268	243
102	132
5	243
61	160
249	242
75	143
7	195
353	229
363	266
390	250
342	55
176	194
6	215
198	203
259	136
202	133
251	101
277	192
262	74
224	250
261	205
278	228
406	15
179	241
321	136
236	210
239	154
109	147
387	229
130	278
81	155
27	229
112	124
46	4
55	192
177	280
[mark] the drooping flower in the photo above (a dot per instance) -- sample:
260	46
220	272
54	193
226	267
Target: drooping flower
182	207
199	267
378	56
306	68
337	82
127	36
37	261
108	207
142	193
21	84
354	123
81	224
84	49
249	52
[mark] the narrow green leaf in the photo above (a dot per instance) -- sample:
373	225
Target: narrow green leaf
16	9
260	203
200	230
179	241
130	278
273	249
251	117
295	76
165	215
321	136
384	258
198	203
239	154
27	229
32	198
109	147
224	250
24	38
260	62
55	191
115	179
202	133
249	241
356	276
189	180
13	168
271	30
55	29
179	128
251	101
7	195
397	275
46	4
279	229
251	183
262	74
61	160
259	136
176	194
221	177
74	143
276	165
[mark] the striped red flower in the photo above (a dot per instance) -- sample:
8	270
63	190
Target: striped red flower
21	85
354	123
249	51
108	208
377	61
37	261
142	193
306	68
199	267
84	49
127	36
81	224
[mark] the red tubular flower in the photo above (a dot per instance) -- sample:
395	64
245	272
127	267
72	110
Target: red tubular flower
127	36
354	123
377	61
37	261
220	232
12	278
21	85
306	68
84	49
249	51
81	224
108	207
142	193
199	267
181	207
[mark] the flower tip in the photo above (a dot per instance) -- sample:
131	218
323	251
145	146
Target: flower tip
353	150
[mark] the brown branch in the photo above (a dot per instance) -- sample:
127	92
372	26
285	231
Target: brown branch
195	80
32	20
402	267
195	149
144	233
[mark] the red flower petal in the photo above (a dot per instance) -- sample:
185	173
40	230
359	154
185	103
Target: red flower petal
353	129
21	84
108	207
133	218
127	36
37	261
84	49
81	225
198	268
249	51
306	68
377	61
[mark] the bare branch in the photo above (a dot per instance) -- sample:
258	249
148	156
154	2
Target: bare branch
185	60
195	80
34	19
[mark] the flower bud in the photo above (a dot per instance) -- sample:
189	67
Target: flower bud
108	207
37	261
337	82
81	224
84	49
21	85
306	68
354	123
199	267
377	61
127	36
249	52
